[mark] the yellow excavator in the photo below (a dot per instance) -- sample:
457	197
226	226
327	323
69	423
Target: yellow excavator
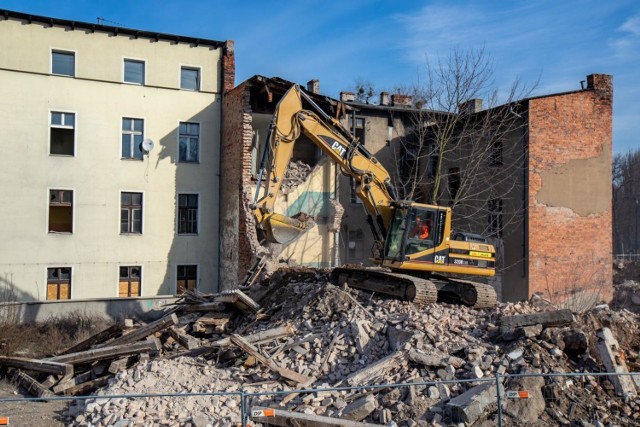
421	261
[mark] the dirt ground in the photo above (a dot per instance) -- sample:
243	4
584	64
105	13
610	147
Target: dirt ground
32	413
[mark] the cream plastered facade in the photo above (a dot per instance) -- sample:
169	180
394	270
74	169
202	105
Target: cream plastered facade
96	173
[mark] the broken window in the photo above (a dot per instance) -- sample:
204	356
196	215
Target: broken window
454	183
132	135
189	78
60	211
189	142
58	283
63	63
187	213
357	128
187	278
62	133
356	245
495	153
131	213
134	71
130	282
494	217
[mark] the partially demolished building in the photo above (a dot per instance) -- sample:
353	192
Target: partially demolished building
560	189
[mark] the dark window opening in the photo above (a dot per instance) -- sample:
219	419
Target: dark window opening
494	217
495	155
62	133
454	183
60	211
187	278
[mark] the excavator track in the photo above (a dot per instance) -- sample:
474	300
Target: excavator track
458	291
417	290
401	286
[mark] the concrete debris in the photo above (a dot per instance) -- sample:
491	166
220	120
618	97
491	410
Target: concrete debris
305	333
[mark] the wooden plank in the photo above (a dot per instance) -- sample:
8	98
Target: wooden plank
253	351
614	360
239	299
100	337
554	318
376	370
260	337
110	352
281	417
122	364
185	340
37	365
204	307
88	387
97	370
32	386
146	330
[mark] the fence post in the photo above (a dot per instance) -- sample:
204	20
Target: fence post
499	399
243	407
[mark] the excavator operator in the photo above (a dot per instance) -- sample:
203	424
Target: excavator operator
421	229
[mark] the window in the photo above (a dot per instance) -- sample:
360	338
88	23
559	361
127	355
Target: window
189	78
494	217
131	213
60	211
132	135
495	153
354	195
62	133
187	213
134	71
358	129
356	245
434	158
189	142
187	278
58	283
63	63
454	183
129	284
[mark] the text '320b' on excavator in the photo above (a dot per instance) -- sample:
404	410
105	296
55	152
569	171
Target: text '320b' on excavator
413	240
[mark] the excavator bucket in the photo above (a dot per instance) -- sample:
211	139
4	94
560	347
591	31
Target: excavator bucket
282	229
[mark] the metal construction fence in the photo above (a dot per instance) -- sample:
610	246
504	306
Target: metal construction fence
573	399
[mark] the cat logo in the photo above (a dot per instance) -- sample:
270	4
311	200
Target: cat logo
338	148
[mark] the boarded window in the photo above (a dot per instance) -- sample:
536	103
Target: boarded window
130	279
187	278
60	211
62	133
58	283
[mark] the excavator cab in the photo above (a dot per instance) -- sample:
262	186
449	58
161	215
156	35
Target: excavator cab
414	229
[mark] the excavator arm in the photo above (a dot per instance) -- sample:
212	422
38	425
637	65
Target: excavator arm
290	121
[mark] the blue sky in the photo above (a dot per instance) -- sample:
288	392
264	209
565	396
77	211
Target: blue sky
388	42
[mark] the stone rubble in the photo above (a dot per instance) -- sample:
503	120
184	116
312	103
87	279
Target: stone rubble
336	340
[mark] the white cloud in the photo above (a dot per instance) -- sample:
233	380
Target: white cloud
631	25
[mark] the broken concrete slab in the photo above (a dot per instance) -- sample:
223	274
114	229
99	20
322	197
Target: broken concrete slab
613	359
281	417
474	403
360	409
554	318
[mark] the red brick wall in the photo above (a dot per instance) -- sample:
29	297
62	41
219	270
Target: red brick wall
228	66
569	252
237	232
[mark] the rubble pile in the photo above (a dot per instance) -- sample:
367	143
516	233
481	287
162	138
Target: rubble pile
296	173
297	331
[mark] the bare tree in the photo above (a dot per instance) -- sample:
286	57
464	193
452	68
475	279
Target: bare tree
364	91
626	202
461	147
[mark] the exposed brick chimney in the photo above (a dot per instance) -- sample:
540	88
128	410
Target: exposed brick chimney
384	98
602	83
228	66
471	106
313	86
398	100
347	96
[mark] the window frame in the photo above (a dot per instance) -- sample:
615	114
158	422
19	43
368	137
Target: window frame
73	213
197	160
144	70
199	78
46	282
495	218
129	267
132	133
142	220
74	128
178	232
197	279
63	51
